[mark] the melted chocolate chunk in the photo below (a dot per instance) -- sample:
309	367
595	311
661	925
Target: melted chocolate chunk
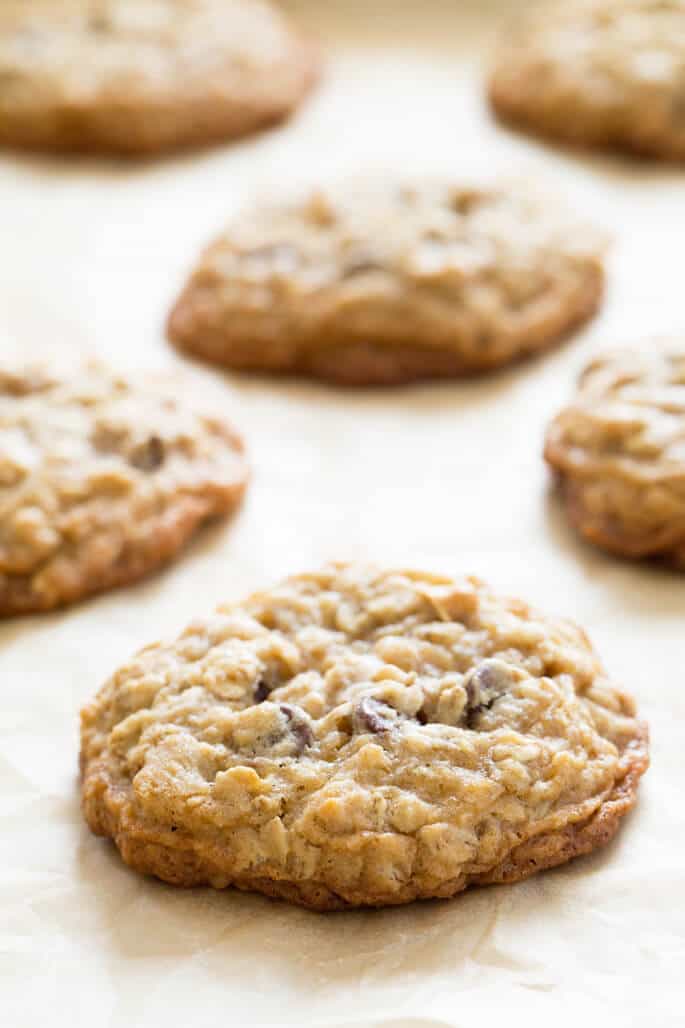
373	716
485	684
148	456
261	691
299	724
268	680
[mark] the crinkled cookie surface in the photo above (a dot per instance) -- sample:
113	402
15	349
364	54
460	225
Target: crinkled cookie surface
383	283
606	73
619	450
361	737
145	75
102	479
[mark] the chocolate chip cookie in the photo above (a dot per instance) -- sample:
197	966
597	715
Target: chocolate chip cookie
619	452
385	283
102	479
140	76
359	737
606	73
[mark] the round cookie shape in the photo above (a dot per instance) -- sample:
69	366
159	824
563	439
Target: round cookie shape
383	283
619	452
360	737
608	74
102	479
142	76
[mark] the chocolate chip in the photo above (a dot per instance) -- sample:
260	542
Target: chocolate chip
299	725
268	680
148	456
485	684
261	691
373	716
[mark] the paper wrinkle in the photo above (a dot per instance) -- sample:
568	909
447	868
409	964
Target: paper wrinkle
445	476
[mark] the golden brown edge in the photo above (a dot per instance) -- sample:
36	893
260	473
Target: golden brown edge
182	865
575	135
172	533
546	851
363	364
130	133
666	546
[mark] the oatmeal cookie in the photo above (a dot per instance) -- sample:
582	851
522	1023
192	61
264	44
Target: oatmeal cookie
605	73
619	452
102	479
140	76
387	283
359	737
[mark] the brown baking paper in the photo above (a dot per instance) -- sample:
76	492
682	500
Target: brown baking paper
448	477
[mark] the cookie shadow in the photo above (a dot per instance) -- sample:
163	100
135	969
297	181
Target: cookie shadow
627	168
141	918
13	630
426	395
108	169
368	950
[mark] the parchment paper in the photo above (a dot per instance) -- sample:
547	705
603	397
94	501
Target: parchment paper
450	477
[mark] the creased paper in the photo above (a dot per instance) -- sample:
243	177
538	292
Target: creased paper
448	477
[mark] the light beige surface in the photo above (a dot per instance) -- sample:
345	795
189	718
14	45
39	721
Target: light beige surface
446	477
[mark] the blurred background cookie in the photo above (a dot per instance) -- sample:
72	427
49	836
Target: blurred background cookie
619	451
141	76
102	479
383	283
603	73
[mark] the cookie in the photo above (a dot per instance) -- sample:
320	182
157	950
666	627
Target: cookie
102	479
619	452
360	737
387	283
605	74
141	76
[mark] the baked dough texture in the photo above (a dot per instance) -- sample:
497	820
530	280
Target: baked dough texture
142	76
606	74
358	737
102	479
619	452
379	283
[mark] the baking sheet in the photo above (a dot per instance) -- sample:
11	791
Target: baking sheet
446	476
